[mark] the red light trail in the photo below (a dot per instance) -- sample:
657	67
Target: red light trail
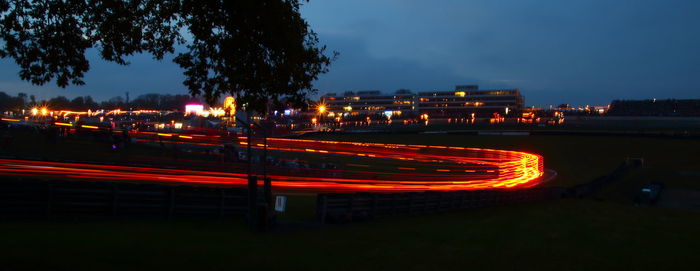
375	167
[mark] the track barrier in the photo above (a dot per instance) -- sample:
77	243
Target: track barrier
53	199
354	207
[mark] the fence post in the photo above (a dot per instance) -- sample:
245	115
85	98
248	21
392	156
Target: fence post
269	203
171	203
393	204
351	205
454	201
115	198
49	200
267	188
441	201
222	204
252	199
426	197
323	204
375	201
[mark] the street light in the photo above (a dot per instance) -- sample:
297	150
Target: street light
321	110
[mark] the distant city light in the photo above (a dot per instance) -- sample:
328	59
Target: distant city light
217	112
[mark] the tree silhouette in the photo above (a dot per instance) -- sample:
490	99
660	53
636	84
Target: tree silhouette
258	50
60	102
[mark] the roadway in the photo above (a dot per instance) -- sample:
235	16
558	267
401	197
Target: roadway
374	167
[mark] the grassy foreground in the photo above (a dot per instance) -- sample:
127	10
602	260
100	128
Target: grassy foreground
554	235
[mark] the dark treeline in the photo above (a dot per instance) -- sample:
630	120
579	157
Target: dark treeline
81	103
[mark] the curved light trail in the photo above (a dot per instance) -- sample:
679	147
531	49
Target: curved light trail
363	167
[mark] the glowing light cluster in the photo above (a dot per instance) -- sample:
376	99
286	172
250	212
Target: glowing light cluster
230	105
216	112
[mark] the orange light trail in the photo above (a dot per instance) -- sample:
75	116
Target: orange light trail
421	168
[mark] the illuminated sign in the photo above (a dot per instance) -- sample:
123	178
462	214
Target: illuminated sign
196	109
280	203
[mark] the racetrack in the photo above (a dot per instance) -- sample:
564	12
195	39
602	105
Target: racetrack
384	168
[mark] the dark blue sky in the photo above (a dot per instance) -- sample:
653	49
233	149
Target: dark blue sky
575	51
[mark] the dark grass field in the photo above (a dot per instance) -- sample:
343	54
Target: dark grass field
554	235
607	234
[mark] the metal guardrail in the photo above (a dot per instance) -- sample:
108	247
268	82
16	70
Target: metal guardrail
344	208
340	208
31	199
593	187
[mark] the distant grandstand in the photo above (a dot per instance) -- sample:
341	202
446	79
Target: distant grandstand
665	108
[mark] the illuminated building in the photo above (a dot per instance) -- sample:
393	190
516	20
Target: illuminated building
464	101
369	102
468	99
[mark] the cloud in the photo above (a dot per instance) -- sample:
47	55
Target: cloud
578	52
358	69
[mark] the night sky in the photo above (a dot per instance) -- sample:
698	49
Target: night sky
577	52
